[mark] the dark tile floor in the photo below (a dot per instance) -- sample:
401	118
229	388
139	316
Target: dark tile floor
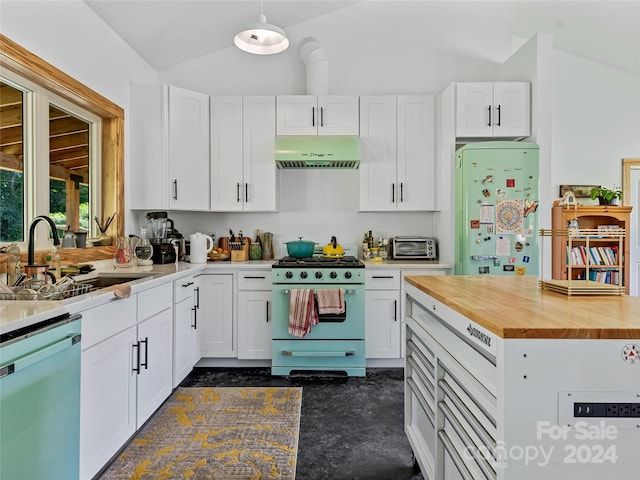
350	428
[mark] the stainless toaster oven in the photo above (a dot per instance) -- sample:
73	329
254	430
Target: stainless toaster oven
414	248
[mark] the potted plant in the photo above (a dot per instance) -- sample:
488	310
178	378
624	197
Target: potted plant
606	196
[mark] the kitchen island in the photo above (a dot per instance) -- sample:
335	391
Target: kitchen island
505	381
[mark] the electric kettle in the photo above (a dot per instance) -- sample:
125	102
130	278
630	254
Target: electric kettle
201	245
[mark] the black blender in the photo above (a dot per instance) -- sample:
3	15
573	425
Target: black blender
163	250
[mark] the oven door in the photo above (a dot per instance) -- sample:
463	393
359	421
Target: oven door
349	327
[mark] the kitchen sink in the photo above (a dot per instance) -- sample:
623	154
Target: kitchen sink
108	280
102	280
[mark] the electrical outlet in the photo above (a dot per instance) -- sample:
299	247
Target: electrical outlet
635	410
612	409
624	409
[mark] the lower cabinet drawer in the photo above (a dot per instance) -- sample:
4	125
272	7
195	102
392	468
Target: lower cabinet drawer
318	353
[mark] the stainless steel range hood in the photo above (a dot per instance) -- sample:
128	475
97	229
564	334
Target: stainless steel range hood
317	152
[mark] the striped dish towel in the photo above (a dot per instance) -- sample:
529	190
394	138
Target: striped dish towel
330	301
302	311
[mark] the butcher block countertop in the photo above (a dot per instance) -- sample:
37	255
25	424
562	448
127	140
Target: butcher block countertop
514	307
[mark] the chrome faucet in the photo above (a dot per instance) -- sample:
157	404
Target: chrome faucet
31	247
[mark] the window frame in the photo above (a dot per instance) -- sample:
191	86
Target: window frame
21	61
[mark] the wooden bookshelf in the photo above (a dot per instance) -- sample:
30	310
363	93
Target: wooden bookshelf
566	244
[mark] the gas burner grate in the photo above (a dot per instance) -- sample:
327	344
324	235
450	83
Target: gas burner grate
347	261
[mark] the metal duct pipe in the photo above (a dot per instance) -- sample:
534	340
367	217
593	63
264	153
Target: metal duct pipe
317	65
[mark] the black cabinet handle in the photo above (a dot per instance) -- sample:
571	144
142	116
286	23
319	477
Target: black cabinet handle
313	116
254	278
146	353
238	192
197	293
267	317
137	367
175	189
246	192
401	192
382	276
188	284
194	325
489	108
393	193
322	116
395	310
499	106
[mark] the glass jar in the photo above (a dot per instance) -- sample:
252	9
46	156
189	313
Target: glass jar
124	257
144	250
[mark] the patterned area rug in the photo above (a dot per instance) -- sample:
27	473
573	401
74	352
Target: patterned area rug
216	433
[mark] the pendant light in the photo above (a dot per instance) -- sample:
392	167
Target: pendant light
262	38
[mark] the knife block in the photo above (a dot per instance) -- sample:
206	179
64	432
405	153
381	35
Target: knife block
240	251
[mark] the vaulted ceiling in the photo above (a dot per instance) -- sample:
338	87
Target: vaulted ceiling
169	32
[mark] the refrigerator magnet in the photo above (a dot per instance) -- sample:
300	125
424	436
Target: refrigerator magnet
475	223
483	270
511	182
530	206
521	270
508	268
501	193
525	259
512	260
518	247
488	179
486	192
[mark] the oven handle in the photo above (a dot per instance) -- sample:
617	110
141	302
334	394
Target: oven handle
347	291
287	353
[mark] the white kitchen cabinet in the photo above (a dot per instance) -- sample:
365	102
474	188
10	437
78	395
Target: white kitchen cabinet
107	399
186	340
397	167
243	171
317	115
254	315
382	313
217	322
126	371
169	141
488	109
155	376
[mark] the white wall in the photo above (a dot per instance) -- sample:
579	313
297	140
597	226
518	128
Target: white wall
596	121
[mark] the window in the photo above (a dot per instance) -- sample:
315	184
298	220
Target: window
46	145
16	59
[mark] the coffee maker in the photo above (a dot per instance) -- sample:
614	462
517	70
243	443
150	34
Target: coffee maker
163	249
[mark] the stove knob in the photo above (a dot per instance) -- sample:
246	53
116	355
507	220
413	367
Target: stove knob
333	275
303	274
318	274
288	275
347	274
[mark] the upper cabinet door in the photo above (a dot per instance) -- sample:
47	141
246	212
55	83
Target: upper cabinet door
416	152
338	115
188	149
259	165
296	115
226	154
512	106
378	153
474	106
312	115
501	109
